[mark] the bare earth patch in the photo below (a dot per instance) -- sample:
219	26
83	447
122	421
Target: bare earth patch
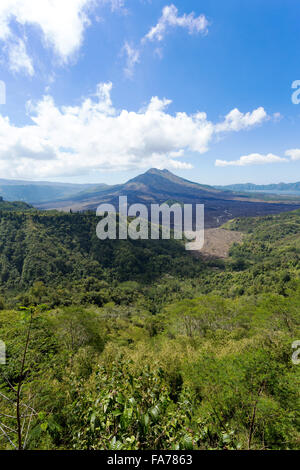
218	242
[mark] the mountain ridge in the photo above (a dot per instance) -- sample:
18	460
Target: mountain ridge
262	187
33	192
158	186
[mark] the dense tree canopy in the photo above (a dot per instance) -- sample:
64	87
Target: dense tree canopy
139	345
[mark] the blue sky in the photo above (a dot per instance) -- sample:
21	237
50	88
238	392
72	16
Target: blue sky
102	90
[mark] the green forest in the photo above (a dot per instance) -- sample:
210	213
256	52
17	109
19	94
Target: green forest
128	345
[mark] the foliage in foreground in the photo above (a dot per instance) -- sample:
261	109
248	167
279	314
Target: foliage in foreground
204	374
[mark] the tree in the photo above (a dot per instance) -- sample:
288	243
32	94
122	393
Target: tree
21	411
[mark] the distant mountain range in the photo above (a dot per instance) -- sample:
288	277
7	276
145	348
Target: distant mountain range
159	186
153	187
36	192
280	187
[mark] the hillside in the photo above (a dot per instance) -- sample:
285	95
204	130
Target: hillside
62	249
14	206
138	345
158	186
57	248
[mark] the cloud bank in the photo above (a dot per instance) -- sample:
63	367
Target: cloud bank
78	140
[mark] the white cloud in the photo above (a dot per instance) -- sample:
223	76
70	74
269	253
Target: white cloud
132	58
177	165
236	121
171	19
78	140
62	24
19	59
294	154
252	159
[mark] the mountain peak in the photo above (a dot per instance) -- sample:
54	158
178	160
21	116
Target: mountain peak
156	171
